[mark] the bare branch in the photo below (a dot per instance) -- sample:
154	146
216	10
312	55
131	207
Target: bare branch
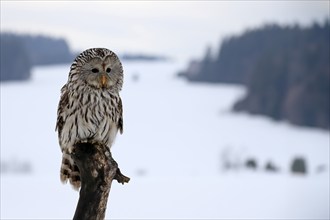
97	170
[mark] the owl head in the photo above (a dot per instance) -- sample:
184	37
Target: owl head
98	68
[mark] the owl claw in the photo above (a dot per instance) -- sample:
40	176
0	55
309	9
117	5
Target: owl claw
70	150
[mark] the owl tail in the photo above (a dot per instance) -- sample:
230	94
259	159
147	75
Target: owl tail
69	171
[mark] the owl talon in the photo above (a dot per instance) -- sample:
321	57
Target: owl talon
70	150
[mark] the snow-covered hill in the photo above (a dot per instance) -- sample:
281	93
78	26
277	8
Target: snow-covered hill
177	138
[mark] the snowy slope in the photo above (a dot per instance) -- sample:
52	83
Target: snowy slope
176	138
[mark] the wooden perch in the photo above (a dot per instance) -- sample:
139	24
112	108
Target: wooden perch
97	170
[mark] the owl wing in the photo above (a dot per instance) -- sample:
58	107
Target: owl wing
64	100
120	121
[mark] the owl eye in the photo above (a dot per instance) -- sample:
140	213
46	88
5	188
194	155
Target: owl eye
95	70
108	70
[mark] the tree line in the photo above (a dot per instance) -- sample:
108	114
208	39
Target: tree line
286	70
19	53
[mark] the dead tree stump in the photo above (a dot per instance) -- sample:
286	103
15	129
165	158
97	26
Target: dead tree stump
97	170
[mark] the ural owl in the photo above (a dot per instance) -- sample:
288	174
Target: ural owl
90	108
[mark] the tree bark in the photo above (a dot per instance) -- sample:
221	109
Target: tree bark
97	170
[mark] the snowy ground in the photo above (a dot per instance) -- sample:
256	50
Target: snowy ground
176	139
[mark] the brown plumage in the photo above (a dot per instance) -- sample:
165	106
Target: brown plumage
90	108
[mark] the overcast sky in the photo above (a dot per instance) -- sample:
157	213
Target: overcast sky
180	29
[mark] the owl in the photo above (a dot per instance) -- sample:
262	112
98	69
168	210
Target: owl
90	108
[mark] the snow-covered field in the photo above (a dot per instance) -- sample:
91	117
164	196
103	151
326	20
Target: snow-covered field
177	136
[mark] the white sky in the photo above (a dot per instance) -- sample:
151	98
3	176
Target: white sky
180	29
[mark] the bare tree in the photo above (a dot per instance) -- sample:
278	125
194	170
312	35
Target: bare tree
97	170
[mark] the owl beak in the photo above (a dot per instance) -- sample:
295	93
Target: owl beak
104	80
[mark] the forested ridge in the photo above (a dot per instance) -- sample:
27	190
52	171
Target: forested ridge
19	53
285	69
